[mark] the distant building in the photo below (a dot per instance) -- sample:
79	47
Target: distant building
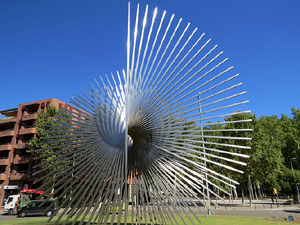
16	129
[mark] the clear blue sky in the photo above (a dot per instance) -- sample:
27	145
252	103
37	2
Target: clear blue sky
54	48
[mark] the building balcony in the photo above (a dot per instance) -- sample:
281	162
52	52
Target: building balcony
2	176
30	111
30	130
4	161
5	147
20	159
21	175
29	117
7	133
9	120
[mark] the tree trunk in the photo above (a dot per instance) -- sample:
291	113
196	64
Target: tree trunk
252	192
231	195
249	190
259	191
255	192
235	194
242	197
263	191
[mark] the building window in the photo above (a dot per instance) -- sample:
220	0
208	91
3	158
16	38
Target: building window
7	127
2	169
23	153
31	109
27	124
22	168
5	140
25	138
4	154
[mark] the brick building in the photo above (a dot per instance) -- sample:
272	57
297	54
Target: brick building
16	129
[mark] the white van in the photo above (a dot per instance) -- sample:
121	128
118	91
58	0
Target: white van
10	204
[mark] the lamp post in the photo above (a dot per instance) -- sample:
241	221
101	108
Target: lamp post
295	179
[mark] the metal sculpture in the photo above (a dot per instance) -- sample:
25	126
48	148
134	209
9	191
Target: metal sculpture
140	142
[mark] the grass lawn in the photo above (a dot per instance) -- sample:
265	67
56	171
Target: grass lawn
211	220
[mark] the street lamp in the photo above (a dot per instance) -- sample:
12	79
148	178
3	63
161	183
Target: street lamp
295	179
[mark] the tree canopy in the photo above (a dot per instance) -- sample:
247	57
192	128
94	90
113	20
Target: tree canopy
274	146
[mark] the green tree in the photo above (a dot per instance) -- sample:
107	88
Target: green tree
267	144
296	146
265	164
234	130
45	158
42	125
290	148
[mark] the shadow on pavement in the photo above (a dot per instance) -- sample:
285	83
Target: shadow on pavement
292	211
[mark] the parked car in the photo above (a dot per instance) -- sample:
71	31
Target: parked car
10	204
37	208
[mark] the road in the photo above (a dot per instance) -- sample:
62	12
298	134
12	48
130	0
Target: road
260	208
8	218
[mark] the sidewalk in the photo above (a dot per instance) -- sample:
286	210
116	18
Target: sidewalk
259	208
265	203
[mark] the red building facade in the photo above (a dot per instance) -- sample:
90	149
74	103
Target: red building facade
16	129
